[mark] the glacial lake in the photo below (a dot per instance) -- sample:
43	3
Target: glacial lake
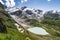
38	31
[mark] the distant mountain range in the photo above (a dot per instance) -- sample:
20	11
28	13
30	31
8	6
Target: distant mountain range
28	12
35	13
52	15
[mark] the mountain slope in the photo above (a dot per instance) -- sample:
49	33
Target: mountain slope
8	30
51	25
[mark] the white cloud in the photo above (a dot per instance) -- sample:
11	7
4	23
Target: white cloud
26	0
48	0
22	1
7	3
1	1
10	3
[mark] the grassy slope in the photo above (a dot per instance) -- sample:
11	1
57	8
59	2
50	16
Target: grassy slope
52	30
12	32
13	35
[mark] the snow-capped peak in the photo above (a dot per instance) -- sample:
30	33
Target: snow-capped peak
27	9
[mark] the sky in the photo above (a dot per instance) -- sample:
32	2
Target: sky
37	4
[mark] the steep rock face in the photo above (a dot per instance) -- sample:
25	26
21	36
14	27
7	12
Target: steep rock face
23	7
29	12
1	6
2	26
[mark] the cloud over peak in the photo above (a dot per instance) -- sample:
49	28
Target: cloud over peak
10	3
2	2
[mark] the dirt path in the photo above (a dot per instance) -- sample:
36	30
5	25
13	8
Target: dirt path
20	21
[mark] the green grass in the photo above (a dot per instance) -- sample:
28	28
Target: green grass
53	30
33	22
7	20
51	26
13	34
